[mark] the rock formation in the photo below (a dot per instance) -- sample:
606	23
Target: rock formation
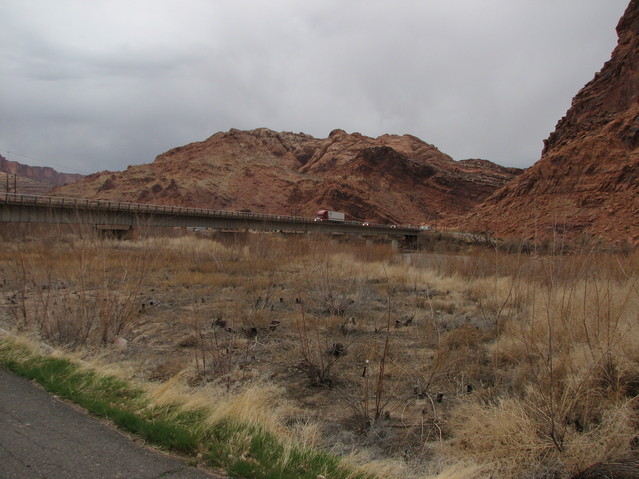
41	174
587	180
397	179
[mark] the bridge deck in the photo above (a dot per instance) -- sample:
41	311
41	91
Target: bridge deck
19	208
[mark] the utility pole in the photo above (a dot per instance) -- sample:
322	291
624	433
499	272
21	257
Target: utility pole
15	183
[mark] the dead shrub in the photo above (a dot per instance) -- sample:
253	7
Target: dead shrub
318	350
79	293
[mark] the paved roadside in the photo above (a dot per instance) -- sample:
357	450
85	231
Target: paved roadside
43	437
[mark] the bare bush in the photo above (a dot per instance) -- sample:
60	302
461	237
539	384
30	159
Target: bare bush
79	293
522	365
319	354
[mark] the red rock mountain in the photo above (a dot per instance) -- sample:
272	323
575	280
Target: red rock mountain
386	179
45	175
587	180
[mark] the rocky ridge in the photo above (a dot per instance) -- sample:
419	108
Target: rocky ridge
396	179
587	180
42	174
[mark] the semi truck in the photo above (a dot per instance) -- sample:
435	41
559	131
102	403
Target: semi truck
328	215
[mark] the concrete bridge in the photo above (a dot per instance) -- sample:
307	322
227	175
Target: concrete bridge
120	216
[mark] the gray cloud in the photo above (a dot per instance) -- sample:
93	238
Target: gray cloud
86	86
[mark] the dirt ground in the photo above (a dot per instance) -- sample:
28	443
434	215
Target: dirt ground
396	355
356	345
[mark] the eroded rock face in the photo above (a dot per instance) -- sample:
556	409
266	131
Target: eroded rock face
386	179
587	180
42	174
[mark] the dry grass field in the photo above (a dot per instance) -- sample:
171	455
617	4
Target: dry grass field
477	363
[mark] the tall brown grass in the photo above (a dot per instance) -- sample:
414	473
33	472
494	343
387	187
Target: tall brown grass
76	292
513	365
566	364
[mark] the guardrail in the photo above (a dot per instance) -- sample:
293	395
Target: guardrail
142	208
89	204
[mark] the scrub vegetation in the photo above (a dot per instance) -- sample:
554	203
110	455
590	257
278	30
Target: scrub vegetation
272	356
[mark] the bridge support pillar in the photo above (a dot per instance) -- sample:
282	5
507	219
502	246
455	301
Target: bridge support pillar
121	232
395	244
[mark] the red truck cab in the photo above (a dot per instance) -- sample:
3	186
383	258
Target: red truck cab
328	215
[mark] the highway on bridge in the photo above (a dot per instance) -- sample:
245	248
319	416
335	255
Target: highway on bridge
18	208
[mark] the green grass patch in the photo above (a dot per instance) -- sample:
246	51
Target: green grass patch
243	451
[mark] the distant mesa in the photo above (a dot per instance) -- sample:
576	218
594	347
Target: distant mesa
35	180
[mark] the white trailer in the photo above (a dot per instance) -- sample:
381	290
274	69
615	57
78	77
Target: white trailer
328	215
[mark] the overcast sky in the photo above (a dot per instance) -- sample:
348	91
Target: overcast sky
103	84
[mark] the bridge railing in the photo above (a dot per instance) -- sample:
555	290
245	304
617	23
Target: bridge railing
91	204
143	208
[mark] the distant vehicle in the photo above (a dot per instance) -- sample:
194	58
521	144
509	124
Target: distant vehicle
328	215
424	227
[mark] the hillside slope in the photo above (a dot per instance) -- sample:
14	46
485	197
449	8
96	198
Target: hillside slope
587	180
391	178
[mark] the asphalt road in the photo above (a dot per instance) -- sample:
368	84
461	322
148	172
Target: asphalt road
42	437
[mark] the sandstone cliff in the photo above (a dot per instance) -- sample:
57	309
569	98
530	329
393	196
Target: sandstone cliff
587	180
391	178
44	175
